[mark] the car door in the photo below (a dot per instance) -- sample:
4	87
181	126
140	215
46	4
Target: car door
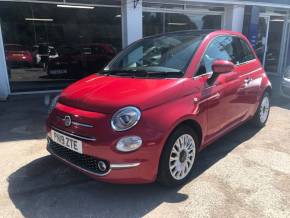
250	71
221	91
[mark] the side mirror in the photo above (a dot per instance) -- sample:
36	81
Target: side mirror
222	66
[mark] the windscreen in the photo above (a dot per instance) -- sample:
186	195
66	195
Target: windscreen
165	54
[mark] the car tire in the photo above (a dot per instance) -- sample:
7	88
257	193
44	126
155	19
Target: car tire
178	157
262	114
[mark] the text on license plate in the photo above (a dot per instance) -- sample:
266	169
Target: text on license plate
68	142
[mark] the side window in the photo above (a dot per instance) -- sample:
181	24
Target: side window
222	48
246	54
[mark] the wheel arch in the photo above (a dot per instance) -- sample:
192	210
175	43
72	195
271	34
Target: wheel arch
196	127
193	124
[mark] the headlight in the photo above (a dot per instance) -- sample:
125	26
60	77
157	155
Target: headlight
125	118
53	103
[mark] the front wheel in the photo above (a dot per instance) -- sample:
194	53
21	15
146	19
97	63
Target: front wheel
178	157
261	117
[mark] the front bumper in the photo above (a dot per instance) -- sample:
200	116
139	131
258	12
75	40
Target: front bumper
85	162
125	172
99	142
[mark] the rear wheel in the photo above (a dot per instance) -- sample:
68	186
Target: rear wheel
178	157
261	117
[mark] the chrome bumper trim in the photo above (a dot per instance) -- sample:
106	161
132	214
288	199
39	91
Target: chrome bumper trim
81	124
73	135
123	166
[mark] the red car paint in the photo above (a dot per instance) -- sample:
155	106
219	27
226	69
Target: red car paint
165	104
18	55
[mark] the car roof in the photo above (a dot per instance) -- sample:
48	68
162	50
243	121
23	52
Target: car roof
226	32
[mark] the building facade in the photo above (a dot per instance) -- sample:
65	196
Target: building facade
47	44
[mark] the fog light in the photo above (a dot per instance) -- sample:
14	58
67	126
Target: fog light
102	166
130	143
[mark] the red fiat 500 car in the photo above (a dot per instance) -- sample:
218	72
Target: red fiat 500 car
157	104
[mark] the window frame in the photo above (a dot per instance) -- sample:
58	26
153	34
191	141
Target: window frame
209	44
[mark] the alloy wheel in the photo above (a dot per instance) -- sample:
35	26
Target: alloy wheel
264	109
182	156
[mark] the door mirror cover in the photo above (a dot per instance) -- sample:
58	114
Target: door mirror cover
222	66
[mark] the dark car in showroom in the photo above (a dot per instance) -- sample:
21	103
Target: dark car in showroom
41	54
80	61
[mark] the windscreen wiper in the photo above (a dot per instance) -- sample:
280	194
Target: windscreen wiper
143	73
123	72
171	74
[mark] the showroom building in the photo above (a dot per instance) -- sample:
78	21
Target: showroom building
47	44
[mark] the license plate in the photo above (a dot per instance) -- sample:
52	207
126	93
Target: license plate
56	72
68	142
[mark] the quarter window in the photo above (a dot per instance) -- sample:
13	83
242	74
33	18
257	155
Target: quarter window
246	54
228	48
222	48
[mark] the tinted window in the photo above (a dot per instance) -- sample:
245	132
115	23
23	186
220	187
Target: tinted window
14	48
246	52
68	51
43	49
52	39
160	22
98	50
222	48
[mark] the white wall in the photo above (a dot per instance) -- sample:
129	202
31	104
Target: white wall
132	24
234	17
4	82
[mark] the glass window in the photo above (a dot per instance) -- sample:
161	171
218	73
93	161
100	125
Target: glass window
260	43
160	22
246	53
222	48
153	23
177	22
274	44
161	54
48	47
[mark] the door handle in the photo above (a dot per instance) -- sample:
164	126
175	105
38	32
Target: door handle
213	97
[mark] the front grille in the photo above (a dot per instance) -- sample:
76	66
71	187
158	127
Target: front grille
83	161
